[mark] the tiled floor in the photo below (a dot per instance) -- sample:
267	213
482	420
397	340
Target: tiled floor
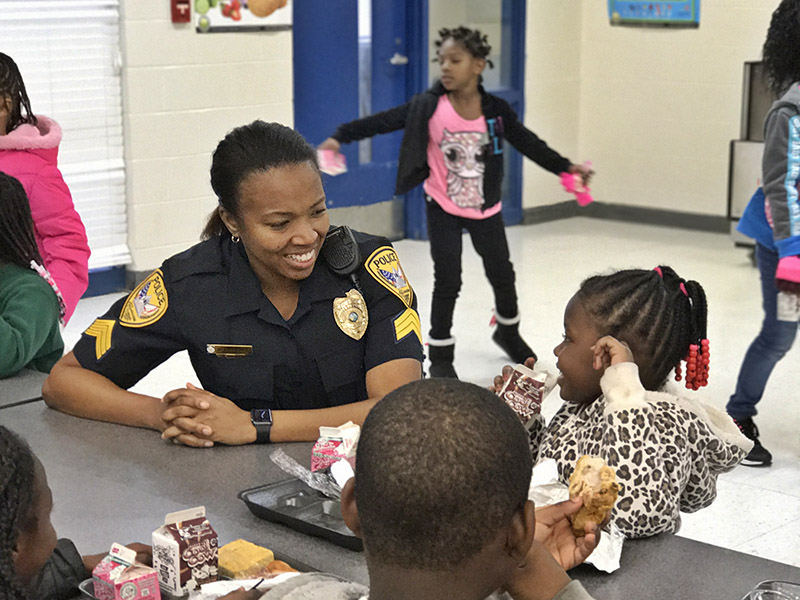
757	510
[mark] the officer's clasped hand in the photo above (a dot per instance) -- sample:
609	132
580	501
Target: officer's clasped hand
198	418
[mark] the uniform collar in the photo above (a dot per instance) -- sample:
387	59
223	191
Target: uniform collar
245	293
244	290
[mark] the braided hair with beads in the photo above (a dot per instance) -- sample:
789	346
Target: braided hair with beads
12	87
17	473
476	43
662	318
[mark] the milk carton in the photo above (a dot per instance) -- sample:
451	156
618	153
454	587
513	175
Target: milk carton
185	551
334	444
119	577
525	390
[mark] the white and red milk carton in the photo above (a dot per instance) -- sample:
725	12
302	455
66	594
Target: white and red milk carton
334	444
185	551
525	390
119	577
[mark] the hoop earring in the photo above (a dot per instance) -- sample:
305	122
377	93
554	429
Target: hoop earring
235	239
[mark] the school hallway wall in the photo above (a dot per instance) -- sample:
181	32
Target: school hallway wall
654	109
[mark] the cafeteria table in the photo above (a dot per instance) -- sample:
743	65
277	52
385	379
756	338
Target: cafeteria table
115	484
25	386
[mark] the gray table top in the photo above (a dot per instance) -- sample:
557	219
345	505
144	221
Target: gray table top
25	385
115	484
112	483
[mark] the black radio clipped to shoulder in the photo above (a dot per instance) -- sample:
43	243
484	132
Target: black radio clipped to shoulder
341	252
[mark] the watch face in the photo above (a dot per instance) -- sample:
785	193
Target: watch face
261	415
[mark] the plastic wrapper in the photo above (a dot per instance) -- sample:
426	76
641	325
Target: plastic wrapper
321	482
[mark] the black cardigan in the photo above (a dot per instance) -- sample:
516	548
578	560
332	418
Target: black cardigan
413	116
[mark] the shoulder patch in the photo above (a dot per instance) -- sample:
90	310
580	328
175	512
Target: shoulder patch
101	330
147	303
384	266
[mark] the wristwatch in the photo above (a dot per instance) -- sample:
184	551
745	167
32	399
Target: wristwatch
261	418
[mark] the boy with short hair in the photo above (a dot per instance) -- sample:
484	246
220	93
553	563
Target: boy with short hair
440	500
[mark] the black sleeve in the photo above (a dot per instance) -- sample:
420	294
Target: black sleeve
531	145
382	122
137	334
61	574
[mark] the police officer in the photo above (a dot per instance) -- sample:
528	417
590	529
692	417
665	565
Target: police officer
281	339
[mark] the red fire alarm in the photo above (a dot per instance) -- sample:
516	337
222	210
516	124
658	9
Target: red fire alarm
181	11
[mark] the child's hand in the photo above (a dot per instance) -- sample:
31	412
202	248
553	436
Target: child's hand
539	577
330	144
144	554
242	594
582	170
610	351
554	531
499	380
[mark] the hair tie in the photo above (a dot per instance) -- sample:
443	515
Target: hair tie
658	270
683	289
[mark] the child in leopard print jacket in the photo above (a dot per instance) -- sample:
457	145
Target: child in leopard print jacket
624	334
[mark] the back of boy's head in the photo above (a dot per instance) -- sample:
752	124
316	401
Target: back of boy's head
17	473
17	241
13	88
442	467
658	314
476	43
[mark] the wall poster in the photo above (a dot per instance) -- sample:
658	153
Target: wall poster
220	16
675	13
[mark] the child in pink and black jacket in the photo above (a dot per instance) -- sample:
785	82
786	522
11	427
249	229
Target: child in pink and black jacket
29	153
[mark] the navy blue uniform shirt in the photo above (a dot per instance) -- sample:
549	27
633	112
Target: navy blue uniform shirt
207	299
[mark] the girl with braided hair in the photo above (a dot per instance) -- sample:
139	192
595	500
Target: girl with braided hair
29	151
625	333
30	302
34	564
27	538
453	144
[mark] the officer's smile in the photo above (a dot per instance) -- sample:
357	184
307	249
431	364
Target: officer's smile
303	260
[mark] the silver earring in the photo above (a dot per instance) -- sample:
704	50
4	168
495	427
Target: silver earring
235	239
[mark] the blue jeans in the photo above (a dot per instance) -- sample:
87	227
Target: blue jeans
768	348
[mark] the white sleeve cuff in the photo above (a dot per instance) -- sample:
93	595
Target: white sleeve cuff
622	388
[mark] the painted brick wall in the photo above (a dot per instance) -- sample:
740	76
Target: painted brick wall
182	93
656	107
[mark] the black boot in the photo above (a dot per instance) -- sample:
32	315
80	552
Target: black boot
508	338
442	361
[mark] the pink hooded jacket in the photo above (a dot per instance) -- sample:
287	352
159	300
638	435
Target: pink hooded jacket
30	153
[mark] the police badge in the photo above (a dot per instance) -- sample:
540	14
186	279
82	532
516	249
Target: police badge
350	314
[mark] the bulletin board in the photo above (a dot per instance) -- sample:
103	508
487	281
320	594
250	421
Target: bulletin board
676	13
221	16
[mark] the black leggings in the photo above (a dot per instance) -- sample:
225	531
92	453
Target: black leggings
489	240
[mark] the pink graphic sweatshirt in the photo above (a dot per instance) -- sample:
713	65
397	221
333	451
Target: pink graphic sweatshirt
30	153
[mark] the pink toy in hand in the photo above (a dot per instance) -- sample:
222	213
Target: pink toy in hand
573	183
788	269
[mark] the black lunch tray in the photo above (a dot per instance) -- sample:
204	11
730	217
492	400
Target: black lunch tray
302	508
87	588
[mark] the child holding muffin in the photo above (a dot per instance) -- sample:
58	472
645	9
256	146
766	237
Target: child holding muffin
625	333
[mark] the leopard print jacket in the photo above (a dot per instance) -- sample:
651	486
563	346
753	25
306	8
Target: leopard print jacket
667	451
